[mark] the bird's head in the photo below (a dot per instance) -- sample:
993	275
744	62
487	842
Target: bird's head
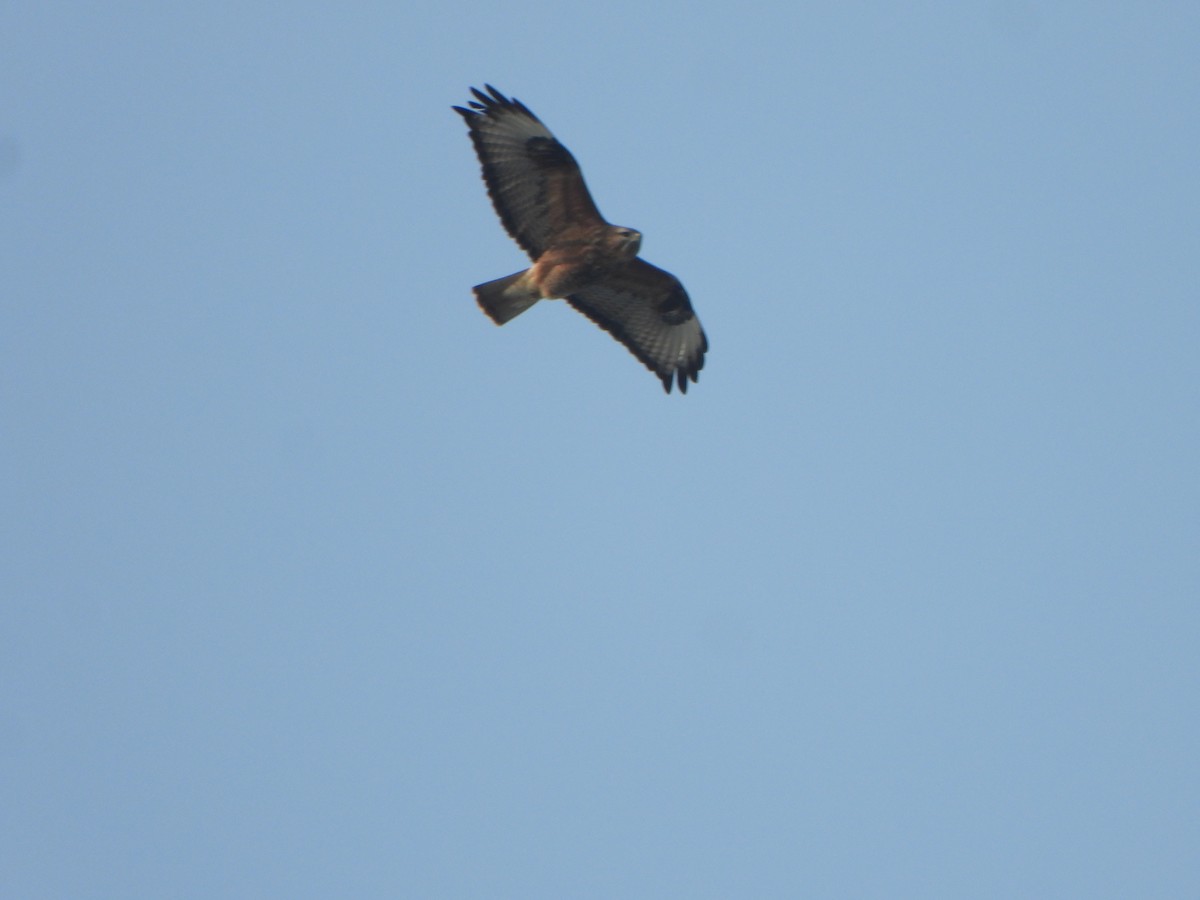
627	241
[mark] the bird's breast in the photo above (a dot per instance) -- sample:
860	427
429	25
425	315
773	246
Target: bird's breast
560	272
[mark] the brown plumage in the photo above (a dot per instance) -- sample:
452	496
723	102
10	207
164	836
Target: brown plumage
539	193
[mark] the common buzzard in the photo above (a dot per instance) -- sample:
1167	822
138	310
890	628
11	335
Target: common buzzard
538	191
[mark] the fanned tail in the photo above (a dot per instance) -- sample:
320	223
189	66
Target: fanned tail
506	298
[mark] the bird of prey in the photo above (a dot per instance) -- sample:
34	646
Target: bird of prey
539	193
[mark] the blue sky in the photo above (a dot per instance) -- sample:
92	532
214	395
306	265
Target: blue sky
316	583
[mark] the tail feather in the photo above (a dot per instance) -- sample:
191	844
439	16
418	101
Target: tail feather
506	298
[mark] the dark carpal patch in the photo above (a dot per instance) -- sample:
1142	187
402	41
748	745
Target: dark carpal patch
549	153
676	309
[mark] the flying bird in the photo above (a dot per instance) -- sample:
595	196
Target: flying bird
538	191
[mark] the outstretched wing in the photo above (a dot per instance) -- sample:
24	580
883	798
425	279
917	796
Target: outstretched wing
533	180
648	311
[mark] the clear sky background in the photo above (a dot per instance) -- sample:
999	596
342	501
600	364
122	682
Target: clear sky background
318	584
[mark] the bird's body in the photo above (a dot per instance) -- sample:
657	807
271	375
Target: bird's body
539	193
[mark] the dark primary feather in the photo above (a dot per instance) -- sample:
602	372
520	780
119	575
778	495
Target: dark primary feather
648	311
534	181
